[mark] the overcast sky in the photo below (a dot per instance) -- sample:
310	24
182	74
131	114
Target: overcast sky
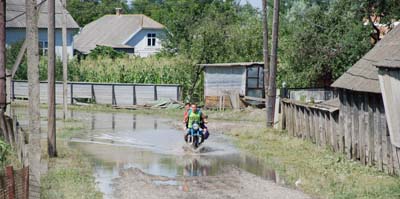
255	3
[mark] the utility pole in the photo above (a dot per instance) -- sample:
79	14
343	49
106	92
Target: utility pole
34	152
265	49
64	58
271	98
51	124
3	99
3	95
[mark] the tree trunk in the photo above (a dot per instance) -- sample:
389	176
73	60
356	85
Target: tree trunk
64	59
271	98
34	152
51	124
265	48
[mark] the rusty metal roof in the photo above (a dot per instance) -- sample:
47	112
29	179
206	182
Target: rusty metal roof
232	64
363	75
16	17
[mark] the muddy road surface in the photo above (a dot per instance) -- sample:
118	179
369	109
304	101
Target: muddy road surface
141	156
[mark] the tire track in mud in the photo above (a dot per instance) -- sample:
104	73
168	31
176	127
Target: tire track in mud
234	183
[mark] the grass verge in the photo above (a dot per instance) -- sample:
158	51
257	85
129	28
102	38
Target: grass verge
70	175
322	173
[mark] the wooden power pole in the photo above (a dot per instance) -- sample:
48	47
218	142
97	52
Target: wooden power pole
271	97
3	98
51	124
265	48
64	58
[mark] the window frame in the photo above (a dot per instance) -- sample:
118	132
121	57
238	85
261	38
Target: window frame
43	48
151	39
259	78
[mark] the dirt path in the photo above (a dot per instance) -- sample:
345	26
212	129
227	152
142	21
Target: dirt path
235	183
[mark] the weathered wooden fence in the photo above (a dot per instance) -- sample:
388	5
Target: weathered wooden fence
103	93
14	184
359	132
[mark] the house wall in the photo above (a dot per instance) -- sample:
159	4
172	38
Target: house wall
139	41
366	135
14	35
221	81
389	80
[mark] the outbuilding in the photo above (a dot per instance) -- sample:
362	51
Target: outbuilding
369	106
225	82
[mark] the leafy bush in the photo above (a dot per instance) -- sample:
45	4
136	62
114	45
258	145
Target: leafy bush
105	51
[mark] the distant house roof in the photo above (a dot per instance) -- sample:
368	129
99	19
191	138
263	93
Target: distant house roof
113	31
232	64
363	75
16	17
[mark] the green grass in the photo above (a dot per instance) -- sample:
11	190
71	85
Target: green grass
70	174
323	174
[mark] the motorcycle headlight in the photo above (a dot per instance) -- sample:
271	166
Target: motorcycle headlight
195	126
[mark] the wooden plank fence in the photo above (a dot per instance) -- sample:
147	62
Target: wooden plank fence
358	129
103	93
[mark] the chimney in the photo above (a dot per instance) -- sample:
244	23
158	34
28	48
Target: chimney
118	11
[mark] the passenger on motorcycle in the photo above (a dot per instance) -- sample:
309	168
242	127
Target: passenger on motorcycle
195	115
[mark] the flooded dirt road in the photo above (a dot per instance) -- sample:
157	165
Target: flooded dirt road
141	156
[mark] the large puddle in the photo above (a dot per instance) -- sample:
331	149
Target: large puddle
119	141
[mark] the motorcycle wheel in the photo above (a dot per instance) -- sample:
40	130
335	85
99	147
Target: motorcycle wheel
195	142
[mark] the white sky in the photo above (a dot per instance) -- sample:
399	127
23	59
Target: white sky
255	3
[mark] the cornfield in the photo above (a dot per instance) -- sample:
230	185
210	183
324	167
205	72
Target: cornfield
154	70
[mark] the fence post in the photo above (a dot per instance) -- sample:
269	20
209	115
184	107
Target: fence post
113	101
12	90
93	94
134	94
155	93
177	93
10	182
72	93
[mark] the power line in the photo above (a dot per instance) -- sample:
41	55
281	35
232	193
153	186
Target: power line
23	13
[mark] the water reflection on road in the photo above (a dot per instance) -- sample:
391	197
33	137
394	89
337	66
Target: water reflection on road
119	141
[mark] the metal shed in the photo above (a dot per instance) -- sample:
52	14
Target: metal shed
224	82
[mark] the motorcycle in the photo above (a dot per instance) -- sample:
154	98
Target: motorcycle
195	136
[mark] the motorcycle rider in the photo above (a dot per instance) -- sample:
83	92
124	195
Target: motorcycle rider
194	114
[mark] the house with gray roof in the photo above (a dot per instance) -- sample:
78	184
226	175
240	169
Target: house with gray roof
16	19
135	34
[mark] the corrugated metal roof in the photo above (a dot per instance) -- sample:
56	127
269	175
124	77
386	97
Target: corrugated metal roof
232	64
16	18
112	30
363	75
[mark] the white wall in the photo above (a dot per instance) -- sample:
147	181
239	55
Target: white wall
139	41
18	34
222	79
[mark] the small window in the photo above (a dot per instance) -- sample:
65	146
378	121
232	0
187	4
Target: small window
151	39
43	47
